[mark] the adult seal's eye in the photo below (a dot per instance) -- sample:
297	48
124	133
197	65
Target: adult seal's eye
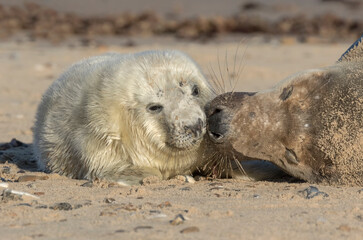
195	91
154	108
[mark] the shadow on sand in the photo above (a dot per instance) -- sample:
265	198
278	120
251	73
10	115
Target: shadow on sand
18	153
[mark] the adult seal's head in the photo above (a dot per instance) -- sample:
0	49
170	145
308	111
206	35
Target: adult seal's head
124	117
310	124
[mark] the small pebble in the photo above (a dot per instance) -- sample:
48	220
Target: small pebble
142	228
27	178
185	178
41	206
87	184
24	204
344	228
216	184
256	196
179	219
156	214
9	194
155	211
61	206
109	200
76	206
38	193
190	230
186	189
150	180
312	192
31	185
189	179
87	203
129	207
229	213
107	213
164	204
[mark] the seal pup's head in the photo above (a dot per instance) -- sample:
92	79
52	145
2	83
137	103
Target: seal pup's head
305	125
164	94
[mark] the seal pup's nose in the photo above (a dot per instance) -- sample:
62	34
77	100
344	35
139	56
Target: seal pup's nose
217	124
196	129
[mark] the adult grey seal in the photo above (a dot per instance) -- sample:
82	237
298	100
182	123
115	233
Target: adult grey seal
124	117
310	125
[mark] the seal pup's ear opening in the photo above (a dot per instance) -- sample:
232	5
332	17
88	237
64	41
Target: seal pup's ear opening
354	52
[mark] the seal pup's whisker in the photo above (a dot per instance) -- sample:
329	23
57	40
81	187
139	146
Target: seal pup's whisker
210	167
220	73
235	76
241	67
229	78
240	167
228	168
215	81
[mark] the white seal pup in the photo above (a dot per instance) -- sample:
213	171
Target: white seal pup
124	117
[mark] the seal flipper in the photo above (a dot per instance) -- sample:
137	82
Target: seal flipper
354	52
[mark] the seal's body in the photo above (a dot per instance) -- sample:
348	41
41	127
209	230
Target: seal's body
124	117
310	125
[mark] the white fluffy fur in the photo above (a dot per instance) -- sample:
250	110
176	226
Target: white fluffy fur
93	121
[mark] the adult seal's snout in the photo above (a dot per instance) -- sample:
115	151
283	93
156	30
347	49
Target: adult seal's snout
221	111
309	125
218	124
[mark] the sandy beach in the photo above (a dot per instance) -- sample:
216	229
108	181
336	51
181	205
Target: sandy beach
62	208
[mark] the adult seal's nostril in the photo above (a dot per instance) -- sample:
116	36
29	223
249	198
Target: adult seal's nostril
214	110
217	125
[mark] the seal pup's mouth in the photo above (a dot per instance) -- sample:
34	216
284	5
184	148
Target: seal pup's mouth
188	136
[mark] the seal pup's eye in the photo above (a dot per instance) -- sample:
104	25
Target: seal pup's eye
195	91
154	108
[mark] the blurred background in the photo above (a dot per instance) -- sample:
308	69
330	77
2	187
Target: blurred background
201	20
